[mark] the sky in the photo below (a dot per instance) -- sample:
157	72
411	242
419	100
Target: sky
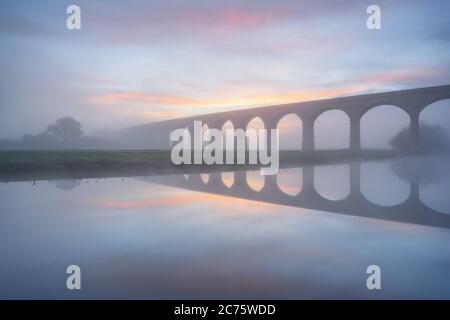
136	62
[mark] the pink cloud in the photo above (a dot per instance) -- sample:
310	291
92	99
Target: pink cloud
142	97
400	75
251	97
182	19
226	20
143	103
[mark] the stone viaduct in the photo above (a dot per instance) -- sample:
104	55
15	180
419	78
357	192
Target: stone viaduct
157	135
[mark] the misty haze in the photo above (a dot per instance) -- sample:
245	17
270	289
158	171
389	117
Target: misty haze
88	103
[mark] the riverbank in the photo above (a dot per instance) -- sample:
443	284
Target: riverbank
76	164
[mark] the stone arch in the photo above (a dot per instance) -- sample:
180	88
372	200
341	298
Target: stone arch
206	135
290	128
255	123
189	131
332	130
435	126
380	124
227	126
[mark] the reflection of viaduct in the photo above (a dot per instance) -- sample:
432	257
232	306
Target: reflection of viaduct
156	135
412	210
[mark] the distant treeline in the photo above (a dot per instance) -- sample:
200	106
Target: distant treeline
433	138
65	133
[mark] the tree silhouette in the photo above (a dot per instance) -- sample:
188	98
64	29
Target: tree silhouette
432	138
66	129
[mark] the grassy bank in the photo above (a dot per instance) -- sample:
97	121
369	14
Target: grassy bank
51	164
52	158
43	164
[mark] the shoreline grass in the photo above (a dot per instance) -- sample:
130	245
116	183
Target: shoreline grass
17	165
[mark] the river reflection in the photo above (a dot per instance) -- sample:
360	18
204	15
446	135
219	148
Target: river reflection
308	232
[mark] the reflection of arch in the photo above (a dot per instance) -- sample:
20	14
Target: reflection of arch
332	123
434	182
227	179
205	177
290	129
413	210
290	181
186	176
255	180
380	124
332	182
375	191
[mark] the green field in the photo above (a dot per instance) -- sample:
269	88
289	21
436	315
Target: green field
58	157
52	164
42	164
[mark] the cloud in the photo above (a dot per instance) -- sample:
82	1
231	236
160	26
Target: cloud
253	96
142	97
144	23
18	25
397	76
155	60
228	20
158	106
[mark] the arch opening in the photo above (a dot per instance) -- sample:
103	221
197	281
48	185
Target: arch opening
332	130
206	135
228	125
255	124
382	126
290	132
435	127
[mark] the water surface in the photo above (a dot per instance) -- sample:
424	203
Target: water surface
187	237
